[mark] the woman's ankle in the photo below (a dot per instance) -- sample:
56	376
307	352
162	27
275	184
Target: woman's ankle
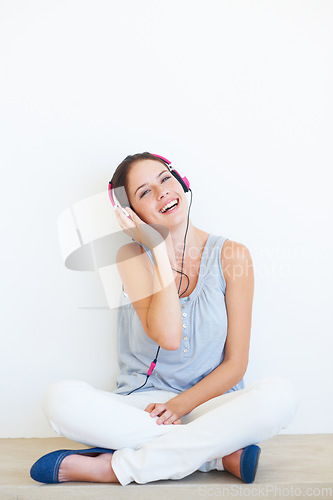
231	463
90	469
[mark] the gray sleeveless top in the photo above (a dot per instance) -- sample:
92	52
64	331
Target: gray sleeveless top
201	350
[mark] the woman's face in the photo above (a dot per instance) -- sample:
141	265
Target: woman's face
151	188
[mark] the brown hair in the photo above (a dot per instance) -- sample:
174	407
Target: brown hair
120	176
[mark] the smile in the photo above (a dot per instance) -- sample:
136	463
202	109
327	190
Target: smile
170	206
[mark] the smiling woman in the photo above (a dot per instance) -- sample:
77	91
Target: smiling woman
183	348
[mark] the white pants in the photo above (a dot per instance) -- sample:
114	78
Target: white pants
147	451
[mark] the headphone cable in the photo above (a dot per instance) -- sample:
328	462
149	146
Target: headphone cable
153	363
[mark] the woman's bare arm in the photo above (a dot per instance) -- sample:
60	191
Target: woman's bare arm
152	291
238	271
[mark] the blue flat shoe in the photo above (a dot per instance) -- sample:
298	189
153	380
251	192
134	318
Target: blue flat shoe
249	463
46	469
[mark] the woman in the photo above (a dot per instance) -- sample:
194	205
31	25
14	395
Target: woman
187	305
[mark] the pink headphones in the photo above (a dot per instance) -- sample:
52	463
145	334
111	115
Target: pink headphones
185	183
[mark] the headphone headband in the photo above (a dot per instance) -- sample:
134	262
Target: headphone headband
168	162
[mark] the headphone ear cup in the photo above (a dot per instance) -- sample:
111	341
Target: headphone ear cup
182	180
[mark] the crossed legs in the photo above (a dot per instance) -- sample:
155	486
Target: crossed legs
146	451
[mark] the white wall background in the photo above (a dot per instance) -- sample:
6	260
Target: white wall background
239	95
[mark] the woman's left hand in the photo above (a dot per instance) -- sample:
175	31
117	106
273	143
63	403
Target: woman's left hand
167	412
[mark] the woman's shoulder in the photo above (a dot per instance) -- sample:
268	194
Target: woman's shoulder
235	258
131	250
234	250
128	250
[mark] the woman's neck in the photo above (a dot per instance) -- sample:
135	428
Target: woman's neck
195	240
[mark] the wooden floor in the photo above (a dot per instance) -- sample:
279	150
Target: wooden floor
291	466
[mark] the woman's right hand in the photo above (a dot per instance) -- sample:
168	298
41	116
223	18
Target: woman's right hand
133	226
